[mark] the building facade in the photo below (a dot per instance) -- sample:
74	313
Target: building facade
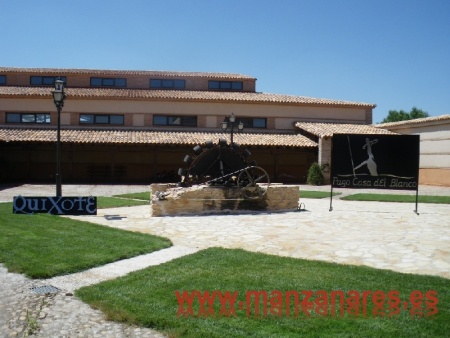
434	146
136	126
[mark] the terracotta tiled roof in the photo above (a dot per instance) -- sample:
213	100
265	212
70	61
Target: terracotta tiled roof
328	129
415	121
176	95
87	136
100	72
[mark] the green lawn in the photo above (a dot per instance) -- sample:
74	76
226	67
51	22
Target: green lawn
116	202
144	196
397	198
316	194
148	298
124	200
42	245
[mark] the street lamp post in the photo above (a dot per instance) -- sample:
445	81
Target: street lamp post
232	123
58	98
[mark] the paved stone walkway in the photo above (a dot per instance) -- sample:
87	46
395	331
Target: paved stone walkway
24	313
118	269
381	235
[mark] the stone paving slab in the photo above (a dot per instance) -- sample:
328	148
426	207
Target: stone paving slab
377	234
117	269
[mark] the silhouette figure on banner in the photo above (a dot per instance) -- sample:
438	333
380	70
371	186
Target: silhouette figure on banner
370	162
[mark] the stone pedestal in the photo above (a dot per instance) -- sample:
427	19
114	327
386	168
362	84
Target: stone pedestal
201	200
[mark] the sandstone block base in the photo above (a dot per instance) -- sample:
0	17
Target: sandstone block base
200	200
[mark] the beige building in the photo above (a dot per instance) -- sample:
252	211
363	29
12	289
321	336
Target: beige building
434	146
136	126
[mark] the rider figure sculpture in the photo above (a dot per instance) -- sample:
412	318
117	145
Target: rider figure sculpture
370	162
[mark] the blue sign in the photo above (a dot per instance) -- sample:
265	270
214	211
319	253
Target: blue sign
55	205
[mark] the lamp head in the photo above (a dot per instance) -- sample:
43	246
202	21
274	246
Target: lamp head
59	85
224	125
58	93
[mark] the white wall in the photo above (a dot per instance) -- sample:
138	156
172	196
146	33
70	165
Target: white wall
434	150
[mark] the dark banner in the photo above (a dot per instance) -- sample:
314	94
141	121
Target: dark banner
375	161
55	205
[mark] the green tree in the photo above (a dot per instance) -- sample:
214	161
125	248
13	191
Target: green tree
401	115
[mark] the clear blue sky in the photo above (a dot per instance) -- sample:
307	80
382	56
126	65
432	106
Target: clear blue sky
394	53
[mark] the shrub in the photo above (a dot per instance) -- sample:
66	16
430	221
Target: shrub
315	174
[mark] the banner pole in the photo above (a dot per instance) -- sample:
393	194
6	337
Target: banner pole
331	172
331	198
417	201
351	155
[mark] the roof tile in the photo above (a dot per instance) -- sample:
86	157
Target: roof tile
110	72
177	95
414	121
328	129
89	136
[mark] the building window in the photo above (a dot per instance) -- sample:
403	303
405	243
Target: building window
27	118
167	84
184	121
108	82
253	122
2	80
116	119
46	80
101	119
225	85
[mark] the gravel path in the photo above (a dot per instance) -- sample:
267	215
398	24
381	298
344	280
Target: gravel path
24	313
